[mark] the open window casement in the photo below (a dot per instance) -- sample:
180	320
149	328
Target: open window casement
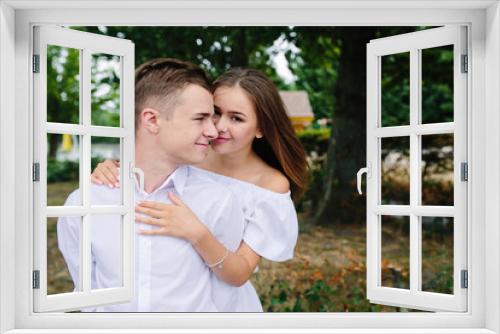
416	143
85	123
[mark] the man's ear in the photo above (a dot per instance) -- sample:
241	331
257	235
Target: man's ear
150	119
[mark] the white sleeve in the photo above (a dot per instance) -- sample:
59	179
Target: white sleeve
272	228
229	222
228	230
68	239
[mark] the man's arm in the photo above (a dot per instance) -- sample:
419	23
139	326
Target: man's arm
68	239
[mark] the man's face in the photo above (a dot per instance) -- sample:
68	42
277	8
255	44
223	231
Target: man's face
185	134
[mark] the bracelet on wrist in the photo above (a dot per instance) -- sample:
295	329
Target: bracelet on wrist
219	264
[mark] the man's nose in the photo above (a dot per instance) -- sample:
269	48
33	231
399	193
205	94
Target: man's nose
210	130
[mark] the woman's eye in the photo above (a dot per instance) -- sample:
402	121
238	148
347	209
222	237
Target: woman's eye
236	119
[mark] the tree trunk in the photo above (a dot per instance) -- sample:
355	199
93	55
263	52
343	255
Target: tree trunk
53	145
240	53
340	202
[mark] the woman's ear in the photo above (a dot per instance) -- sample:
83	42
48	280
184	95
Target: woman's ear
150	120
258	134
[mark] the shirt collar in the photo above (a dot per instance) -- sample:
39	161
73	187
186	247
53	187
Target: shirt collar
177	180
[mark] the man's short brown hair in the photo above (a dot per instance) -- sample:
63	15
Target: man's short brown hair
158	83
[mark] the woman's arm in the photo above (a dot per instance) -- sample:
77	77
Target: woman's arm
177	220
237	268
106	173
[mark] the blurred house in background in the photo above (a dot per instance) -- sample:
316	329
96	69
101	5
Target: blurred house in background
298	108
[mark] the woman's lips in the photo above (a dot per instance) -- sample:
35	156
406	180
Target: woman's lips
219	140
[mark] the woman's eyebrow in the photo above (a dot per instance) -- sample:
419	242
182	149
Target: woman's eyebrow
237	113
232	112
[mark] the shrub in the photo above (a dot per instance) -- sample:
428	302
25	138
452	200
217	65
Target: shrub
66	170
315	139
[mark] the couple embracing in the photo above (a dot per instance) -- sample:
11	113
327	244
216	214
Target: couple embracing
222	169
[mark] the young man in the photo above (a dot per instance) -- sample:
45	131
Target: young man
173	114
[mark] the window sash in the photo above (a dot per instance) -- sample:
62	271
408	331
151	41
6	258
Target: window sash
87	44
413	297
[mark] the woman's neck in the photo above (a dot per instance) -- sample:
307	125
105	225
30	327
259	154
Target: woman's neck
237	165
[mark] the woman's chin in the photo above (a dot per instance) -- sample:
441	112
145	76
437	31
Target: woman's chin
220	148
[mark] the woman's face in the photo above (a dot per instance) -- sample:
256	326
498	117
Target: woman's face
235	120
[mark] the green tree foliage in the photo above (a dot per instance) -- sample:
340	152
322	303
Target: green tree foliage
327	62
215	49
346	153
316	66
105	90
63	89
395	89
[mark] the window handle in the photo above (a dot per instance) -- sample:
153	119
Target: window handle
139	172
360	173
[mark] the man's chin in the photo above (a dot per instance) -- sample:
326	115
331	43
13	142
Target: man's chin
195	158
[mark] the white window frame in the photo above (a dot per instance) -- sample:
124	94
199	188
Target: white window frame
483	18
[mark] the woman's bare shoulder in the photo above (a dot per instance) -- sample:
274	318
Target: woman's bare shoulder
273	180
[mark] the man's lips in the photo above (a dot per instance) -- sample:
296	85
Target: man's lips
202	145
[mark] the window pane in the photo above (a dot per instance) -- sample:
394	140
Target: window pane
107	250
63	84
63	167
437	254
105	85
437	169
437	84
395	240
395	89
58	271
105	148
395	168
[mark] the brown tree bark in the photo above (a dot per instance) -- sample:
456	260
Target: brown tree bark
340	202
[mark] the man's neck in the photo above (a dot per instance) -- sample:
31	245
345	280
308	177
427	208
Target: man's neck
155	165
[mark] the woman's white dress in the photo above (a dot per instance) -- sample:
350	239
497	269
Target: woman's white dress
271	230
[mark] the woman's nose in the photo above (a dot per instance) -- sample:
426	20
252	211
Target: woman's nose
221	125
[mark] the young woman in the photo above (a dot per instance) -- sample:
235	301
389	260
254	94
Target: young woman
258	156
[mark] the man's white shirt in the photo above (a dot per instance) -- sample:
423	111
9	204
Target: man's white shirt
170	276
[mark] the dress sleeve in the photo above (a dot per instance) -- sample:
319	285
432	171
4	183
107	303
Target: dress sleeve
272	227
229	223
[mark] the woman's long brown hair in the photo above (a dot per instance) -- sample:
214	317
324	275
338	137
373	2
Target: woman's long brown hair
279	147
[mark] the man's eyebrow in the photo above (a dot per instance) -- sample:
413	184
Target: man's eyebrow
204	114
